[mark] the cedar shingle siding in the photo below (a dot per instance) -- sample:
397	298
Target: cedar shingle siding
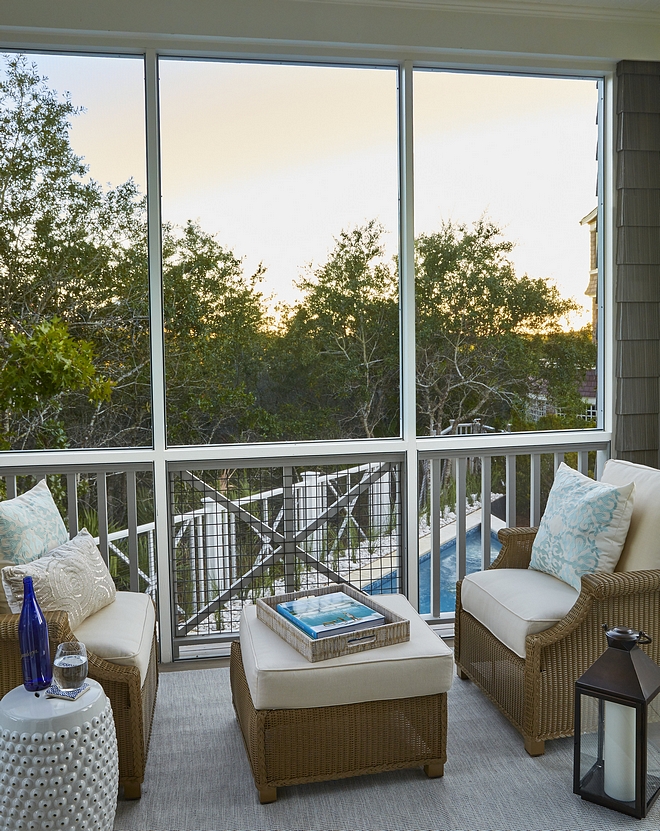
638	262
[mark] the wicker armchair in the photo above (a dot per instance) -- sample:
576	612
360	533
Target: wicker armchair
132	702
536	693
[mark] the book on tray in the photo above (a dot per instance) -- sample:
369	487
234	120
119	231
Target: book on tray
329	614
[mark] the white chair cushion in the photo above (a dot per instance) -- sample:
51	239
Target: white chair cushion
641	550
121	632
515	602
281	678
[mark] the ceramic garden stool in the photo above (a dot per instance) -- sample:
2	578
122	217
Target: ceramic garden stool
58	762
377	710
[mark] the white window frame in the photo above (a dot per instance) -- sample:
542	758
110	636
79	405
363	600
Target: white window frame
409	445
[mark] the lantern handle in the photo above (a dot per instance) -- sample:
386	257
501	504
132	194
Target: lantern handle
641	638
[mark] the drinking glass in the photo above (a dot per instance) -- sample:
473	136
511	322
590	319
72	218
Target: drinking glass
70	665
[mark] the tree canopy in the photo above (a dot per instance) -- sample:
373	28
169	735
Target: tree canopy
74	317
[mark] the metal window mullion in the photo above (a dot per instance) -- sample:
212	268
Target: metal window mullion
510	491
166	611
289	523
131	509
410	569
102	508
583	461
435	581
461	493
602	457
534	489
486	489
72	503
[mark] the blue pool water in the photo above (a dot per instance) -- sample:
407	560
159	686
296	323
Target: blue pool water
389	584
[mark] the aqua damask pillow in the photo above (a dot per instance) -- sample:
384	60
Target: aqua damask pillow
30	526
583	528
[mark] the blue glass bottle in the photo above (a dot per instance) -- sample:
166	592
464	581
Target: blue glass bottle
33	640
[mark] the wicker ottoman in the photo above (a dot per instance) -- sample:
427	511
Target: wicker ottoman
378	710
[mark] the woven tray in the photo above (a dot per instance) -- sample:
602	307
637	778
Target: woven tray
395	629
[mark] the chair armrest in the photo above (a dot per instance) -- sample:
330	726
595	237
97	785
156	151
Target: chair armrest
602	585
597	589
516	547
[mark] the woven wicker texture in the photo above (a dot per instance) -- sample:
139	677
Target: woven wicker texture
132	703
537	693
287	747
395	630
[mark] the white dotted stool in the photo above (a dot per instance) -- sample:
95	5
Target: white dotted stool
58	762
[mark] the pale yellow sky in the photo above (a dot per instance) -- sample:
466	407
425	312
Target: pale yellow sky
277	160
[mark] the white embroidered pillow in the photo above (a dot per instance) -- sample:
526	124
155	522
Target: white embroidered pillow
72	578
583	528
30	525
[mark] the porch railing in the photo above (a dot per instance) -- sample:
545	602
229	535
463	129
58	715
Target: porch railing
241	532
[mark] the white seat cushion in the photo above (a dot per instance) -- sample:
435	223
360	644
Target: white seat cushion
122	632
515	602
641	550
279	677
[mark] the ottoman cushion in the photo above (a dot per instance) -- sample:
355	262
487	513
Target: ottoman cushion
279	677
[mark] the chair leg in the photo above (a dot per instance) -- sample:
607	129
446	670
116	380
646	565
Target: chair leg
267	795
434	770
535	747
132	790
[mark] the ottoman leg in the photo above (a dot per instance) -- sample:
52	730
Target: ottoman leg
434	770
267	795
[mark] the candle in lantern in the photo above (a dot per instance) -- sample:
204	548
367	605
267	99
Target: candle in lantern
619	752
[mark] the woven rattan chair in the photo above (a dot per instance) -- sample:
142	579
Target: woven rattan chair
536	693
132	702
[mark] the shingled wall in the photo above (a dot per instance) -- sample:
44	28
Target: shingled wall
638	263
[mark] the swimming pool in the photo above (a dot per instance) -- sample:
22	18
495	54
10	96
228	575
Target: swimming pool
389	583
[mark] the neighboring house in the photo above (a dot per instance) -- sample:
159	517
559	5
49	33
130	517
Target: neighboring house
591	221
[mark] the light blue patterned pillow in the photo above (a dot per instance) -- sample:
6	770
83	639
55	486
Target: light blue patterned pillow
30	526
583	528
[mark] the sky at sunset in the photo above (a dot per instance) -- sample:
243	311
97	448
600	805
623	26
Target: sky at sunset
277	160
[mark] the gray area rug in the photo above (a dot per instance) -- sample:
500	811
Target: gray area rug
198	778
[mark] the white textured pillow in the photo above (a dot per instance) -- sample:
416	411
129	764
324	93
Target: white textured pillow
30	525
72	578
583	528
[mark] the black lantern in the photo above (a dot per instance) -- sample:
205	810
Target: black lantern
617	726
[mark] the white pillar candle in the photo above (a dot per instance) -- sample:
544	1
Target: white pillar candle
619	752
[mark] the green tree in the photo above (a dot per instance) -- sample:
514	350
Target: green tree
71	255
344	332
73	261
486	337
216	332
37	368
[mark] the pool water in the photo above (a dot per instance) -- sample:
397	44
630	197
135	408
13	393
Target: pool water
389	584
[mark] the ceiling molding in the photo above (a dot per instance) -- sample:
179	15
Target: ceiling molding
631	11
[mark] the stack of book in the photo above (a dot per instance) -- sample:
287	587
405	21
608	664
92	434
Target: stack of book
329	614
